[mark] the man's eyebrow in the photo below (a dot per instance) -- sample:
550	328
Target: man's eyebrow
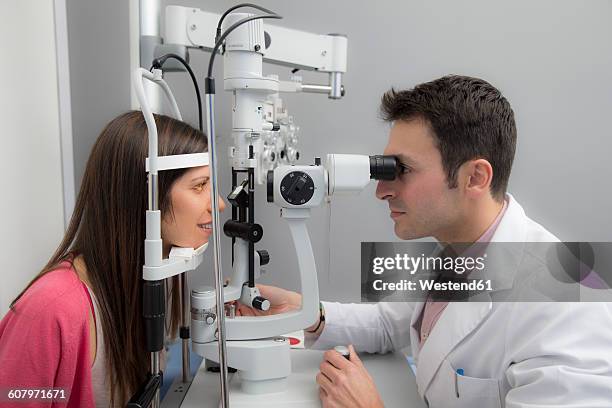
406	159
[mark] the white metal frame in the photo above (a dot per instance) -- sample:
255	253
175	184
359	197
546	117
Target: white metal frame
157	268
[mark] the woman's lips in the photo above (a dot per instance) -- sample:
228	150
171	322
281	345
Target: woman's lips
206	228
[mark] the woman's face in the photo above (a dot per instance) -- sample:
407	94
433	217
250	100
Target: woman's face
189	224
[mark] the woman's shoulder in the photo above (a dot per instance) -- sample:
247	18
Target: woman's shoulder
44	339
58	294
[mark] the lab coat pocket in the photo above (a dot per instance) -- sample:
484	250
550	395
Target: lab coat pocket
462	391
478	392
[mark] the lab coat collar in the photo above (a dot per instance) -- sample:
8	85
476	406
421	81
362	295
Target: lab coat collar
503	260
513	225
459	319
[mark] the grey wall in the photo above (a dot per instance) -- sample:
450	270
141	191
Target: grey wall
31	164
552	59
98	44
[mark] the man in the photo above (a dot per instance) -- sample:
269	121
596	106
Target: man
456	138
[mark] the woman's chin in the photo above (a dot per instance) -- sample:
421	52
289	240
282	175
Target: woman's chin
201	242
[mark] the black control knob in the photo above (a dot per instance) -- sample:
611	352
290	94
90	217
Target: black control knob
264	257
297	188
261	303
247	231
270	186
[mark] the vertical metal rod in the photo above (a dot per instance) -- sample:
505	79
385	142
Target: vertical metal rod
150	12
186	367
251	178
155	369
184	299
234	210
210	128
153	206
150	21
150	17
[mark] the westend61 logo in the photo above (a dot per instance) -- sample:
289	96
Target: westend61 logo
413	264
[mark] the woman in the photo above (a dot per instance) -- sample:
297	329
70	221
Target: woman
78	325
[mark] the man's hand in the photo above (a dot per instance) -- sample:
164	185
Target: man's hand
345	383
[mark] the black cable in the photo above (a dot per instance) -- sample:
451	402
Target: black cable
228	31
159	62
237	6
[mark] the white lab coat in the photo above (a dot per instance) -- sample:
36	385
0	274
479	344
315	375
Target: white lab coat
513	354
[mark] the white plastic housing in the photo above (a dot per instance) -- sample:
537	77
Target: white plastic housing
347	173
203	314
247	37
263	365
324	53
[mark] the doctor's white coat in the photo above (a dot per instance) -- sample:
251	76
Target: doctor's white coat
514	354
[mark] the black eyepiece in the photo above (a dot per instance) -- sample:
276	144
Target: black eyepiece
383	167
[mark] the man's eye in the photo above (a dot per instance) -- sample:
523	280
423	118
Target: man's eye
200	186
404	170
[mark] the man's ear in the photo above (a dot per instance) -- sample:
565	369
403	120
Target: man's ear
477	175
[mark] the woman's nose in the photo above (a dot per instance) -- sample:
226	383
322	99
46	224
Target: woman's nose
209	205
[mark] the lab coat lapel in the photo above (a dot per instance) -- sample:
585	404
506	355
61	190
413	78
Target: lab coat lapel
414	333
457	321
416	315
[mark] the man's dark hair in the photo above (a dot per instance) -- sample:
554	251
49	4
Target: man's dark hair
469	118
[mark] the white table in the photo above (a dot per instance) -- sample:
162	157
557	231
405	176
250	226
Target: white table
390	372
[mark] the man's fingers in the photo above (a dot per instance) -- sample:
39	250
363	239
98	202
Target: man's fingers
354	356
324	397
324	382
336	359
329	371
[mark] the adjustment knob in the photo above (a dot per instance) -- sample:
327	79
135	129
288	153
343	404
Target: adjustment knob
261	303
249	232
210	319
264	257
297	188
270	186
344	351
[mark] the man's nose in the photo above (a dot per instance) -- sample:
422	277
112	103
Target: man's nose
384	190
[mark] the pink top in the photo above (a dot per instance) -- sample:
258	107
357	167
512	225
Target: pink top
433	310
44	341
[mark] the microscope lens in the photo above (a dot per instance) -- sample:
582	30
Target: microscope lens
383	167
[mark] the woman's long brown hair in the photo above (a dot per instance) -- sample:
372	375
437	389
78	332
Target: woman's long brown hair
108	229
